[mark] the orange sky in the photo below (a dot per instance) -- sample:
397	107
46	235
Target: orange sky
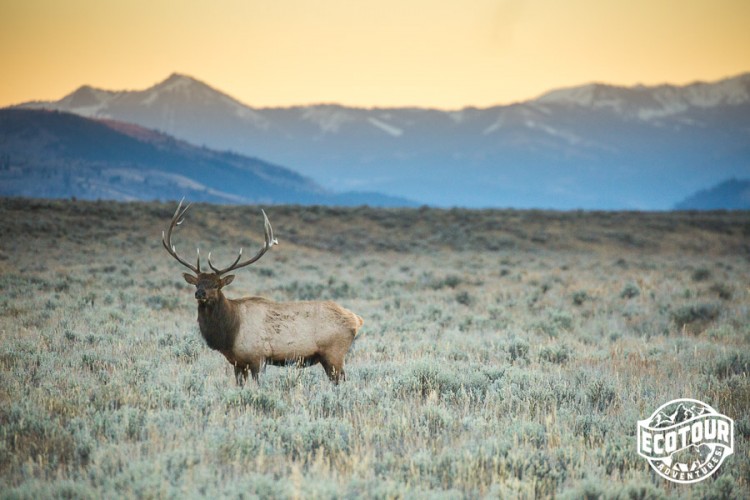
440	53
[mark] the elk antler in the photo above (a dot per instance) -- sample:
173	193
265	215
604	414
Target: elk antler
166	240
269	242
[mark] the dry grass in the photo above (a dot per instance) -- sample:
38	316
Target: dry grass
505	353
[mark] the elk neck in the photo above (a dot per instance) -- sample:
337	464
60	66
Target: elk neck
219	323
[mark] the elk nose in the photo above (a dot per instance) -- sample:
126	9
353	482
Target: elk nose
200	294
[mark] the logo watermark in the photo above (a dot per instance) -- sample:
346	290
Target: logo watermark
685	440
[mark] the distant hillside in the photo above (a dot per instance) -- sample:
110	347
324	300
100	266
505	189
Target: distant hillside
60	155
594	146
733	194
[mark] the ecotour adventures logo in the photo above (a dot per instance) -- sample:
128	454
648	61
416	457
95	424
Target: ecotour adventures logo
686	440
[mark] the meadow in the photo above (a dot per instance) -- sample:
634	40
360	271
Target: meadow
504	353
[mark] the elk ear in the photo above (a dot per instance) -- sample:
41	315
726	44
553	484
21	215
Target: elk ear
227	280
193	280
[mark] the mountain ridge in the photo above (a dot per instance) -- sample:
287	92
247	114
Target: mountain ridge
732	90
176	79
61	155
591	146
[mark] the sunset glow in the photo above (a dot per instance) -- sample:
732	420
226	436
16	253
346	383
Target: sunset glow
446	54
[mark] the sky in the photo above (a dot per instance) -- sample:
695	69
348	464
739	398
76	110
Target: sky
446	54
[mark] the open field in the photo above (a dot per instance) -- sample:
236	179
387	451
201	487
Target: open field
504	353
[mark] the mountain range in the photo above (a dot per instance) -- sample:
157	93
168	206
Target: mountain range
594	146
51	154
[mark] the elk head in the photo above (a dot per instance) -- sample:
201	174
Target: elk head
208	285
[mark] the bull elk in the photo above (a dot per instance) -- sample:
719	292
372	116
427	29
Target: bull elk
253	331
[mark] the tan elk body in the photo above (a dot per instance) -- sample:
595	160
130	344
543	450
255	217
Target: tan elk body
252	332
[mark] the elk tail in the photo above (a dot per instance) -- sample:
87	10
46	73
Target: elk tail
360	322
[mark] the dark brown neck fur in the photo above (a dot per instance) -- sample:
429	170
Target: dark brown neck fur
219	323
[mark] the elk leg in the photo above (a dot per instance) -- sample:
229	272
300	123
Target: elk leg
334	369
240	374
255	367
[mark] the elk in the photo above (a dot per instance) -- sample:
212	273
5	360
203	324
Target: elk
252	332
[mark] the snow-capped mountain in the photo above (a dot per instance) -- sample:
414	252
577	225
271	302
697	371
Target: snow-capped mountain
593	146
165	106
650	103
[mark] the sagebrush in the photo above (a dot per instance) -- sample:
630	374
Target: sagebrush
504	353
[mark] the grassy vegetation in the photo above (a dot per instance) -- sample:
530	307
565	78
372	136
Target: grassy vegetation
504	353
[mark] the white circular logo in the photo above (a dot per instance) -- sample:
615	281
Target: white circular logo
685	440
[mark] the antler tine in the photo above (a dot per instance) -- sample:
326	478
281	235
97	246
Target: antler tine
166	239
176	220
219	271
269	241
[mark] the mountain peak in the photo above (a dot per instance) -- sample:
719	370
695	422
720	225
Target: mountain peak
178	81
87	98
179	76
183	90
